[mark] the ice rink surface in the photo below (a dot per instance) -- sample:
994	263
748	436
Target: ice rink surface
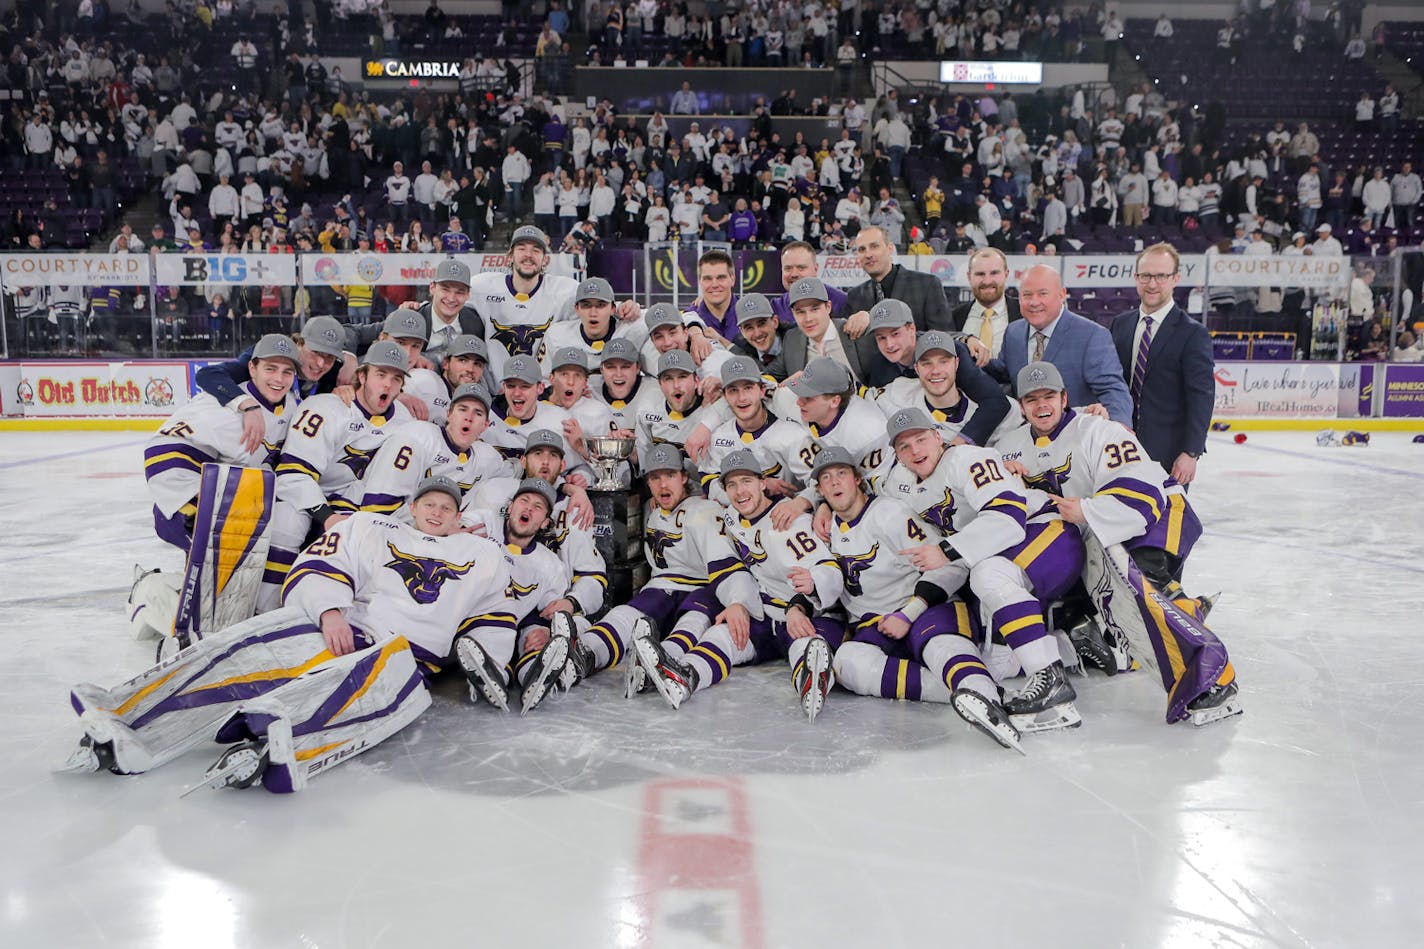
598	822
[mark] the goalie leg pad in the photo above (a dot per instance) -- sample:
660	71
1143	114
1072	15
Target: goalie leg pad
346	706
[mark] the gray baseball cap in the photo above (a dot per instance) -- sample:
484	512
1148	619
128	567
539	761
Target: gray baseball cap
570	356
275	346
595	288
467	344
743	459
523	368
676	360
822	376
1038	375
438	483
471	390
543	438
661	314
829	457
664	456
741	369
807	288
913	419
754	306
451	270
618	348
388	354
529	233
890	315
537	486
934	339
325	335
405	324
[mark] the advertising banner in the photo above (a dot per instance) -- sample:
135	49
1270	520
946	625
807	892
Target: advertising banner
1117	270
63	270
1403	390
188	270
137	389
1286	390
1240	270
405	269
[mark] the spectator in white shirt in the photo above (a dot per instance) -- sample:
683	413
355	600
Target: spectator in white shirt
223	204
1375	196
423	192
515	171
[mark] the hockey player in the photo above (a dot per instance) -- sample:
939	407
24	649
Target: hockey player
518	307
325	456
596	326
538	588
1019	554
570	533
205	431
462	363
567	384
1102	478
422	387
669	419
420	450
370	609
447	314
833	416
668	331
798	578
319	348
908	638
696	576
777	443
519	409
934	387
623	387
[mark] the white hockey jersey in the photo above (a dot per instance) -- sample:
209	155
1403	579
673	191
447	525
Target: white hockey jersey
430	388
1101	462
778	445
515	323
860	430
687	549
625	411
658	422
877	579
583	564
507	434
419	450
203	431
537	577
328	448
969	497
571	333
394	580
907	393
770	554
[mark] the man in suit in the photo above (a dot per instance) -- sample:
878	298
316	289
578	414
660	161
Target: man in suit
985	320
1081	350
1168	366
817	334
798	260
447	313
888	280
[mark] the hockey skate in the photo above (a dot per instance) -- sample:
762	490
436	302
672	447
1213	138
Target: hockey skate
675	680
635	680
485	677
239	767
1100	648
987	716
1045	702
812	678
548	665
90	758
1223	701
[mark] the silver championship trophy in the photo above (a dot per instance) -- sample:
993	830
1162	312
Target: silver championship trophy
609	454
617	516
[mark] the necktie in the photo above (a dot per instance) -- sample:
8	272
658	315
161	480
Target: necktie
879	291
1139	368
1039	341
986	329
447	335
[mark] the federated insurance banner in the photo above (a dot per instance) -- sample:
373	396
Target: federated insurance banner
64	270
188	270
1403	390
1288	390
94	389
405	269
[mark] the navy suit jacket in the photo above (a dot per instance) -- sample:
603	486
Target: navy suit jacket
1173	411
1083	353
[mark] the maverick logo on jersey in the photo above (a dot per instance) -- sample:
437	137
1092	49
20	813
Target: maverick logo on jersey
357	459
941	513
516	591
424	576
853	566
520	338
745	554
1052	479
659	542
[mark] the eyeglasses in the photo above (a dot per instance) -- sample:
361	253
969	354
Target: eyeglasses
1155	277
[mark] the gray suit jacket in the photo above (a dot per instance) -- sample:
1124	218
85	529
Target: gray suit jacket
796	348
1084	353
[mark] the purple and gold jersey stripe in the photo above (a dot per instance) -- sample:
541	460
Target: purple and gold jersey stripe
316	568
1142	497
291	464
171	456
495	620
382	503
